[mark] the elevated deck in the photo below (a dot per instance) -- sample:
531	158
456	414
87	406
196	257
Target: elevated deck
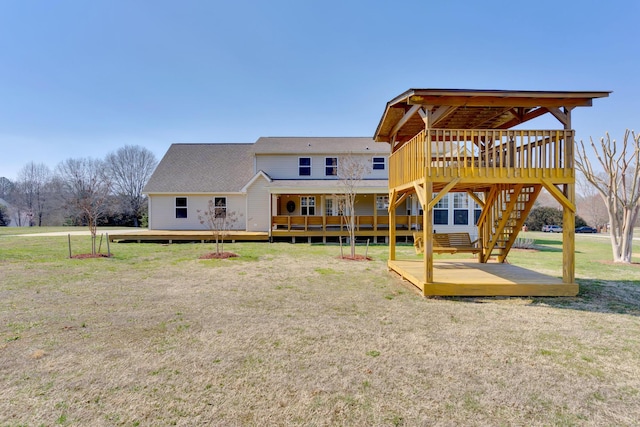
467	277
478	158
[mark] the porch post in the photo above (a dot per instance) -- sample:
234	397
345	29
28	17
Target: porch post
270	216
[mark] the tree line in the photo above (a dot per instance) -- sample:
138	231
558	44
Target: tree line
80	191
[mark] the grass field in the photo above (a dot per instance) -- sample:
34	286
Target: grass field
291	335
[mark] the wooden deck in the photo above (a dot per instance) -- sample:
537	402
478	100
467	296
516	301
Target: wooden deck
170	236
471	278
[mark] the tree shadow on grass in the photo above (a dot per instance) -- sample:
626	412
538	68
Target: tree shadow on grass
601	296
598	296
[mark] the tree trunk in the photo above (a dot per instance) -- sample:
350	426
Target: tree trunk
352	232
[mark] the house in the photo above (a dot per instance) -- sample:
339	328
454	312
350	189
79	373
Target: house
288	187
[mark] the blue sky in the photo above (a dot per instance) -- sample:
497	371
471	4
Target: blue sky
84	78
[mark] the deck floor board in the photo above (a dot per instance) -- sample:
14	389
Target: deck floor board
471	278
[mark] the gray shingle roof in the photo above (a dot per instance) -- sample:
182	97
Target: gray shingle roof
203	168
318	145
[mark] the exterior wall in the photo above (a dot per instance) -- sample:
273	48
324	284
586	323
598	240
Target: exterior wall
257	217
286	166
450	226
163	211
365	205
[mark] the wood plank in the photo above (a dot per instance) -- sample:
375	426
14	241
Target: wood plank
468	278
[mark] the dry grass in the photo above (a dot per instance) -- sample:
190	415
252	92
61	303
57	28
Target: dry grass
291	335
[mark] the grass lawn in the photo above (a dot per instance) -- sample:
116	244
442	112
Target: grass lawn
291	335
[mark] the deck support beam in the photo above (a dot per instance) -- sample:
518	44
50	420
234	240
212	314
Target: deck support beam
392	224
427	231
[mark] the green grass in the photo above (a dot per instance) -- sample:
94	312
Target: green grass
292	335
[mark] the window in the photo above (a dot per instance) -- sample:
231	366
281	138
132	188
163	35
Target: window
181	207
220	207
378	163
460	217
331	166
329	208
307	205
476	215
477	210
304	166
334	206
460	201
441	216
382	202
441	211
460	209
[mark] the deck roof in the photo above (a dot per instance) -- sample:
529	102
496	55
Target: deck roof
473	109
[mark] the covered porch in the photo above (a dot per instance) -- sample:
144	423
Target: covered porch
312	209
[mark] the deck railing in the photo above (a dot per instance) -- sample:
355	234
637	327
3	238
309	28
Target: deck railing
338	223
483	153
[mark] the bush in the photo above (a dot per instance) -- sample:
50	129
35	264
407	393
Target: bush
548	216
4	217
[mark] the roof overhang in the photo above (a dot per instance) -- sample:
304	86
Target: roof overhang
405	115
320	186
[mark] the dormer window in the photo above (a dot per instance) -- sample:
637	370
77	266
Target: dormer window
304	166
331	166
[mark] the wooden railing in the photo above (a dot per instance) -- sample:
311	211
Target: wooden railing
338	223
458	153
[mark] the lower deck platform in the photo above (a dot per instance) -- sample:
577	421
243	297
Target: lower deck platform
471	278
144	235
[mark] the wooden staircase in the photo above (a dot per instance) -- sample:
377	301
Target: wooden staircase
506	209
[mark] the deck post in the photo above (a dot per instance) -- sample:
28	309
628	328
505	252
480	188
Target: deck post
427	232
568	216
392	226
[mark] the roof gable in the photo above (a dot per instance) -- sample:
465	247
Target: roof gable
203	168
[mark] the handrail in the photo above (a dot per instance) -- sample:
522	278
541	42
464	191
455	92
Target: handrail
334	223
488	153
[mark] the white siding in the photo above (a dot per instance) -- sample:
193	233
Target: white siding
258	217
163	211
286	166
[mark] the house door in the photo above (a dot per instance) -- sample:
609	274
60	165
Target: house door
333	206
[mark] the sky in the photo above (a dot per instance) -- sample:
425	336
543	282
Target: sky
85	78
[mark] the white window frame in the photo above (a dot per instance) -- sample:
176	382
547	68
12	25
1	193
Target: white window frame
300	166
382	202
220	209
460	201
180	207
383	163
330	169
307	205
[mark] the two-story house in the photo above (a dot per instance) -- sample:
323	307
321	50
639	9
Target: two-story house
288	187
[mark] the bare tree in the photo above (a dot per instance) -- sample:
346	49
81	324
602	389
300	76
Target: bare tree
618	186
588	203
33	180
217	219
86	188
130	168
351	171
